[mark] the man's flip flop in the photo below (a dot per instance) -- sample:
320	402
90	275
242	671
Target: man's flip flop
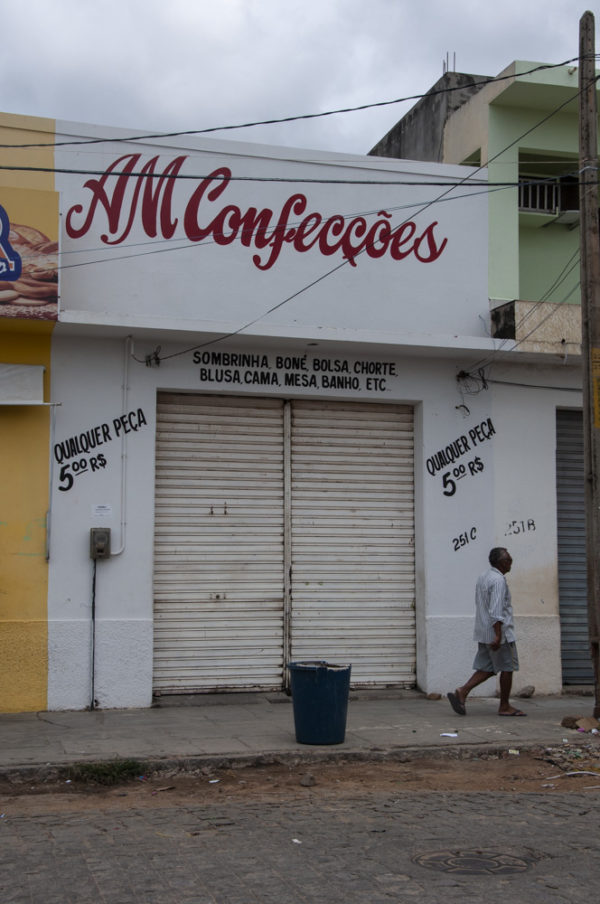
517	712
457	706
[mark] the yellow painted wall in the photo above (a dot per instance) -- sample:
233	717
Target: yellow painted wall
24	468
27	130
24	463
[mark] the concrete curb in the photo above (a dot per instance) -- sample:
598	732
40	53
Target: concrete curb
51	772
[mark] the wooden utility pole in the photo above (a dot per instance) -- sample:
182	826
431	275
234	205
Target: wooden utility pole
590	311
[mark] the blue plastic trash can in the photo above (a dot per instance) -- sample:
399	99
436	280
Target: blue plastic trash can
320	701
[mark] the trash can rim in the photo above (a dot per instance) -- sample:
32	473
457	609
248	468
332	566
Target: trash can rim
317	664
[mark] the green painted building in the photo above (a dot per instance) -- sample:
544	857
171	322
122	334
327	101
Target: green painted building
523	126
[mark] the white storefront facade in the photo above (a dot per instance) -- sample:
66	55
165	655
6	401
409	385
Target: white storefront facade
255	369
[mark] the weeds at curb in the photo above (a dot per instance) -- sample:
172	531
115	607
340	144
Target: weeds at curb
109	773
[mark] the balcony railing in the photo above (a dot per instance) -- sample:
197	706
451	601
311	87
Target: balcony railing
539	197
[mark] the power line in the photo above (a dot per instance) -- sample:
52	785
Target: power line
550	314
339	266
450	186
156	358
535	385
568	268
304	116
482	381
190	246
197	177
545	119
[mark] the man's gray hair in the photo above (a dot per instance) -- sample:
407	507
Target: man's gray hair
497	554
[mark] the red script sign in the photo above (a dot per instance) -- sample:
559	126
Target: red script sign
152	197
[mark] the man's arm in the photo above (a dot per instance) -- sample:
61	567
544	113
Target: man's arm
498	638
496	609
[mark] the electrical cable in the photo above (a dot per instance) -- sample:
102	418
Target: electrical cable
310	285
206	242
485	380
568	268
572	263
300	180
169	247
490	360
450	187
536	385
93	640
547	317
305	116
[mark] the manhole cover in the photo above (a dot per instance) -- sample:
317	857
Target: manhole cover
477	862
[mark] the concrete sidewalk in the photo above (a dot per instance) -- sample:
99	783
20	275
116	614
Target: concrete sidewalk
248	728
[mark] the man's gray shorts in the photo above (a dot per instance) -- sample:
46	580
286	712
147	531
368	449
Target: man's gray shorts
504	659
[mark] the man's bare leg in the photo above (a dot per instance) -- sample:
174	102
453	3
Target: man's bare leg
505	708
476	678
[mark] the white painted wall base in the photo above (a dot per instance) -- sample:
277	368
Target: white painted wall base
538	643
450	651
69	657
123	664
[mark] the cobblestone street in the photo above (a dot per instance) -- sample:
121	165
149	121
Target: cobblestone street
314	849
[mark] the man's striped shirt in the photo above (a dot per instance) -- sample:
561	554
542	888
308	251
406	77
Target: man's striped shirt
493	604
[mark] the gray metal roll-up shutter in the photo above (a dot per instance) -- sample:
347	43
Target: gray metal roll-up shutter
218	572
572	573
352	547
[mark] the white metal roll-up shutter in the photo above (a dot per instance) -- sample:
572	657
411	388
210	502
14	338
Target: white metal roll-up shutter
353	584
572	570
218	560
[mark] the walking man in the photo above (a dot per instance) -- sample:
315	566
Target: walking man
495	636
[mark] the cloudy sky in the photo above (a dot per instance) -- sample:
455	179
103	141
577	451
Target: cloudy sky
167	65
